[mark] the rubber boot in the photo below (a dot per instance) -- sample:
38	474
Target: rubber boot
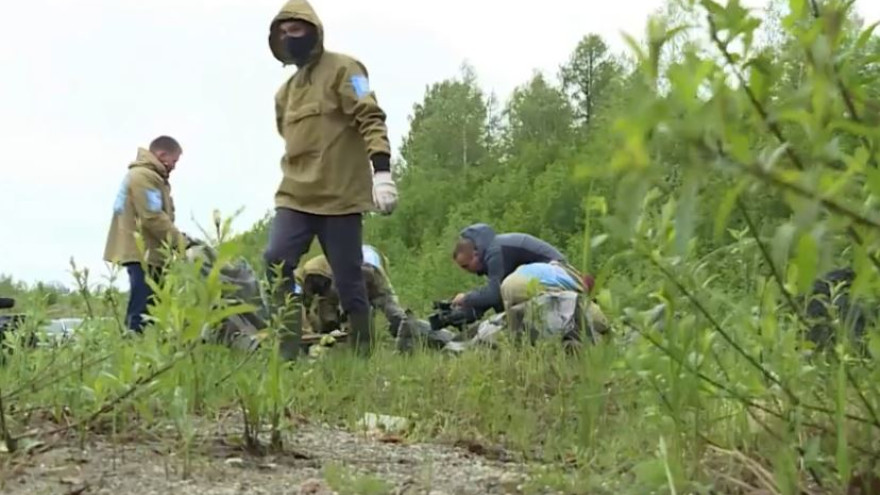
361	325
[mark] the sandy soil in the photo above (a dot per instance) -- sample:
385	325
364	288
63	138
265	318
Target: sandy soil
147	467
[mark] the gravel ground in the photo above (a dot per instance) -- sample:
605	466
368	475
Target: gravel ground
312	453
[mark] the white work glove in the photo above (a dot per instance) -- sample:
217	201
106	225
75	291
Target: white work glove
384	192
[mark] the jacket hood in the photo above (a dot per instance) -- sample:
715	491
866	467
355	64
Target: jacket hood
147	159
295	10
482	236
322	269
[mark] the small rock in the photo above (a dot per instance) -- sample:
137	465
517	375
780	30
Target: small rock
383	423
314	487
511	482
235	462
267	466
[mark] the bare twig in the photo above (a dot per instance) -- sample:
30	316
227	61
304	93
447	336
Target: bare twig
766	373
718	328
774	270
751	404
30	383
775	129
238	367
861	394
846	95
772	126
773	179
757	470
109	406
858	240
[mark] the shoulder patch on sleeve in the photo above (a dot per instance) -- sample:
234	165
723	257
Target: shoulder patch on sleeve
121	196
361	85
371	256
154	200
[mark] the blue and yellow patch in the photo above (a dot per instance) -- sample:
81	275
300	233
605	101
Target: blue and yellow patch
121	197
154	200
361	85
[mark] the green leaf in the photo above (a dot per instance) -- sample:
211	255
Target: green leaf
781	245
651	472
685	214
852	127
220	314
873	180
740	147
636	47
714	8
866	35
807	260
726	207
597	204
795	115
758	80
770	155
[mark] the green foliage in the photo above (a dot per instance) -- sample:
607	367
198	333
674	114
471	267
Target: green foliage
718	172
538	114
590	77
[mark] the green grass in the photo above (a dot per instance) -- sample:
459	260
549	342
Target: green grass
678	411
730	167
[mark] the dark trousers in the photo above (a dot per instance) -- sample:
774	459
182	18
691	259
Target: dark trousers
140	295
340	237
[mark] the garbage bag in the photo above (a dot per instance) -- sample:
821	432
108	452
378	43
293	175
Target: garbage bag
236	331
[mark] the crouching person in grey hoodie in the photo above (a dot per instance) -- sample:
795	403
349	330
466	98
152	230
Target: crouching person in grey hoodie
515	264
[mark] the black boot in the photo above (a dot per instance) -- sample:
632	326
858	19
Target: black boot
361	337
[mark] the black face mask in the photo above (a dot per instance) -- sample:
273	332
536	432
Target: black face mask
299	48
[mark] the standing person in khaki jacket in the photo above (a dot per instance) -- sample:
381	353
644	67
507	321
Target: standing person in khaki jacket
144	205
333	129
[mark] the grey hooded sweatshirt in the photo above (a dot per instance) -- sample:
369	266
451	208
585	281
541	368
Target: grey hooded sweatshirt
500	255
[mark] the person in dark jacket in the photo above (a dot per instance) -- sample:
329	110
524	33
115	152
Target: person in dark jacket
510	259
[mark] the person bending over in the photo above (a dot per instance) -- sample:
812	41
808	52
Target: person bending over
144	198
510	262
321	298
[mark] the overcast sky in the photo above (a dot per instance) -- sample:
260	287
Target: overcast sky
84	83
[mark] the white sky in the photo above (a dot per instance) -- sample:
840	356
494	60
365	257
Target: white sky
84	83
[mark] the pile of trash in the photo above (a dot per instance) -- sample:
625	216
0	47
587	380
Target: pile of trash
562	315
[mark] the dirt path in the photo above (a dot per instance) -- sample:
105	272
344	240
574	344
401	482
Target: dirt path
318	461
